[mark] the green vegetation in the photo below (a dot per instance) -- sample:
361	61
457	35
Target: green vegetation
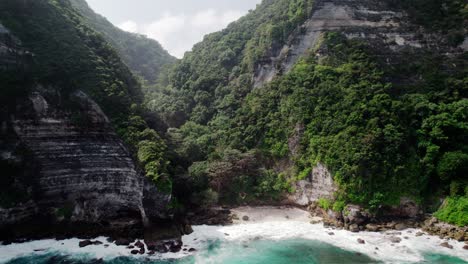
145	57
380	140
384	130
325	204
454	211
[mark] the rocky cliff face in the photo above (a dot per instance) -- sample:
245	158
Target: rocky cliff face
74	173
388	29
319	184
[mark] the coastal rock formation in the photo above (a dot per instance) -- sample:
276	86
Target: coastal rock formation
375	21
70	170
318	185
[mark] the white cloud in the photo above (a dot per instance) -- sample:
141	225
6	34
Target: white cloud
179	32
129	26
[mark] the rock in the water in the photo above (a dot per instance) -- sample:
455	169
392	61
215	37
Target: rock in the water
139	244
372	227
361	241
395	239
331	233
465	247
418	234
86	243
354	228
135	251
447	245
192	250
245	218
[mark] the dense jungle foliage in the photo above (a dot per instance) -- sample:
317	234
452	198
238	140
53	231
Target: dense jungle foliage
383	130
69	55
145	57
381	139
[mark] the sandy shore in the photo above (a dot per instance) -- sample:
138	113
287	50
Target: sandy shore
269	213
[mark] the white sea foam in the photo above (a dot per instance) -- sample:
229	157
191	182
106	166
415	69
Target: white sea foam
268	224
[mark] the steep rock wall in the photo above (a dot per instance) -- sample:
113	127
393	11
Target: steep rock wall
387	29
319	184
74	172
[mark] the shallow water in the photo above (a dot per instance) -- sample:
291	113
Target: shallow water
271	242
253	252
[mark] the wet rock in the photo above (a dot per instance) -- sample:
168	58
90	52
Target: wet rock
331	233
187	229
86	243
139	244
395	239
135	251
418	234
447	245
174	246
122	242
192	250
245	218
234	217
354	228
372	227
131	247
152	252
400	226
106	245
361	241
465	247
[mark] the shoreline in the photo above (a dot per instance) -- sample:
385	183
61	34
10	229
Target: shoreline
267	223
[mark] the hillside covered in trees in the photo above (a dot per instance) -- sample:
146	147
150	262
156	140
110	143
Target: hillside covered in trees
387	118
371	95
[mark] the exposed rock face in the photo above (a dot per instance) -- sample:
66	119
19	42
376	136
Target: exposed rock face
318	185
406	209
435	227
373	21
79	174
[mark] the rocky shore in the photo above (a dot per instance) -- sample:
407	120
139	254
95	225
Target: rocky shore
355	219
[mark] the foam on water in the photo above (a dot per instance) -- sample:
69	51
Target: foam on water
410	250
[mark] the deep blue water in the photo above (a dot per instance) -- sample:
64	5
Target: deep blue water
252	252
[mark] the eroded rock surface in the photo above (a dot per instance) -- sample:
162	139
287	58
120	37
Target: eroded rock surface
318	185
67	170
389	30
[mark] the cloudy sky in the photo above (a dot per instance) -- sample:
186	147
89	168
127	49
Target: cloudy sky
176	24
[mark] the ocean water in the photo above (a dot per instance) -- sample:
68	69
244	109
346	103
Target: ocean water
270	242
254	252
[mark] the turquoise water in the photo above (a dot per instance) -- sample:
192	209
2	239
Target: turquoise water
252	252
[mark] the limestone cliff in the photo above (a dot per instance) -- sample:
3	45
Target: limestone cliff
65	170
388	29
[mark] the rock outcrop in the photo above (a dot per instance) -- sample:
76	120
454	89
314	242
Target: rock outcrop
319	184
74	174
375	22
